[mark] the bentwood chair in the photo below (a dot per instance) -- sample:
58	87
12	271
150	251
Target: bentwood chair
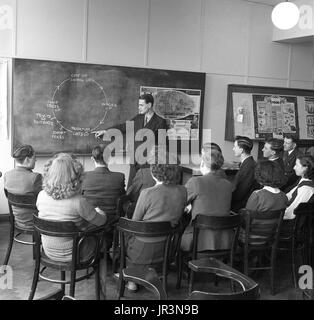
260	234
123	204
67	229
148	229
213	223
22	202
296	236
249	288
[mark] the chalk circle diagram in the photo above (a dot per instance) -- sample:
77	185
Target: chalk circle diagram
173	104
79	105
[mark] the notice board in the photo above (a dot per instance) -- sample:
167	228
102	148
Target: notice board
263	112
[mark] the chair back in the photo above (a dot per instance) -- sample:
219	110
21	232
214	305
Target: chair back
249	288
145	229
231	222
21	201
67	229
262	228
303	221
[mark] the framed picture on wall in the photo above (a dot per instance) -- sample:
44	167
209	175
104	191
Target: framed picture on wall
263	112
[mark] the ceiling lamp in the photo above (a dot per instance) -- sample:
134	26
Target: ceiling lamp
285	15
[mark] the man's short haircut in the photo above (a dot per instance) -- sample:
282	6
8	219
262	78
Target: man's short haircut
97	154
23	152
275	145
245	143
147	97
211	146
269	173
291	137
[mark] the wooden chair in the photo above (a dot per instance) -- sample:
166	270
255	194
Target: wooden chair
260	233
213	223
250	289
66	229
297	237
121	203
144	229
22	202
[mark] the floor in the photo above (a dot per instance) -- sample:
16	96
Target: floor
22	266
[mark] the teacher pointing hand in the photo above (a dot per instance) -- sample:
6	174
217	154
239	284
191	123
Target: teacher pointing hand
146	118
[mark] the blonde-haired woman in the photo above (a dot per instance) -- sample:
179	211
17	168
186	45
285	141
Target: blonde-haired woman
61	200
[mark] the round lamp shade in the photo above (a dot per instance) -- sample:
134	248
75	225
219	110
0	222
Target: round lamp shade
285	15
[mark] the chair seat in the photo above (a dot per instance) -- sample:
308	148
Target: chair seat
61	265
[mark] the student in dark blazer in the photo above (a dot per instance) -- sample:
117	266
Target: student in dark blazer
22	180
289	158
209	195
146	119
244	182
272	151
102	187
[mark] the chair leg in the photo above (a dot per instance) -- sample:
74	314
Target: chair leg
63	279
246	263
165	282
34	252
179	266
121	286
97	282
272	271
8	253
35	281
191	281
293	264
72	284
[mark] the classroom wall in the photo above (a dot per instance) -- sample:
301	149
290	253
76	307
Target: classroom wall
230	40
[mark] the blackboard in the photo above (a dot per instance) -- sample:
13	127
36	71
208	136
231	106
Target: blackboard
56	105
263	112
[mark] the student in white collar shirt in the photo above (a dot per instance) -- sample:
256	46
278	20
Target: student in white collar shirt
304	168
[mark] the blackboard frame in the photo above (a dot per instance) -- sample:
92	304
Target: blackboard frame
229	126
200	76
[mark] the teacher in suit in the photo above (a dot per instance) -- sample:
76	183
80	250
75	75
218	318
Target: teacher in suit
145	119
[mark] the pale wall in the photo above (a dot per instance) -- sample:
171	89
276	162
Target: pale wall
230	40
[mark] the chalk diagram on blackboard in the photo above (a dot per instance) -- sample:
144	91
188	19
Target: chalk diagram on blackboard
78	107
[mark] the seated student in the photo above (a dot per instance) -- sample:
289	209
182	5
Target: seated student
272	151
102	187
244	182
22	180
304	168
61	200
289	157
207	147
163	202
210	195
269	198
269	175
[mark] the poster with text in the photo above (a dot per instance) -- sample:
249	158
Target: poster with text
275	115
